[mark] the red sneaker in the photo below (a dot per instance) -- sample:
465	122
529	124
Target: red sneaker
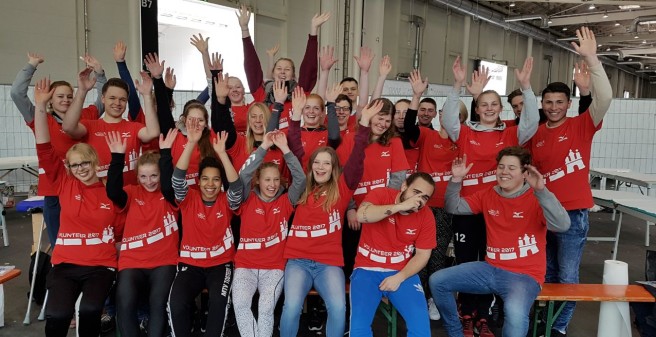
467	326
483	329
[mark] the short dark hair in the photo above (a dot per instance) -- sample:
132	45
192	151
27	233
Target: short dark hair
557	87
419	175
349	79
115	82
402	100
429	100
521	153
212	162
342	97
514	94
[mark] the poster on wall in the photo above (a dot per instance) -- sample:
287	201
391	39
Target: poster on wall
498	77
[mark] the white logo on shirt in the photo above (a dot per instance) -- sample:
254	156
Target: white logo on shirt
392	221
125	135
473	142
99	134
276	161
276	210
104	206
562	138
518	215
78	197
385	154
322	141
410	231
201	216
437	146
540	144
219	215
139	202
493	212
499	144
259	211
418	287
108	234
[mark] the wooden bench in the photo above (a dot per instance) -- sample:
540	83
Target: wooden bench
4	278
552	292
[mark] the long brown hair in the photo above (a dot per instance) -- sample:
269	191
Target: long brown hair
250	136
55	85
205	143
330	188
386	110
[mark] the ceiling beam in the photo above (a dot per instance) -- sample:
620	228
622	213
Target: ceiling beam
598	17
646	3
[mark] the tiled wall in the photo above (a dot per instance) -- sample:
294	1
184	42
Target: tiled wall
627	139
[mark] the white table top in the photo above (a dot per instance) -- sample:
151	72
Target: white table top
643	179
11	163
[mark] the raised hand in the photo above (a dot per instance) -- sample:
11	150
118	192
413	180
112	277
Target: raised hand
42	92
459	74
412	203
120	48
479	81
271	52
194	130
93	63
317	21
327	58
418	85
145	86
216	62
280	140
116	143
85	81
524	76
298	101
154	66
582	78
280	91
370	111
385	66
200	43
167	142
534	178
331	94
459	168
34	59
267	140
244	16
365	58
587	46
169	78
221	85
219	143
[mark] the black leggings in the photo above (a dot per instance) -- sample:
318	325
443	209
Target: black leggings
65	282
152	284
469	243
189	282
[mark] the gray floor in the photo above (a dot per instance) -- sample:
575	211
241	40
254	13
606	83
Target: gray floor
632	251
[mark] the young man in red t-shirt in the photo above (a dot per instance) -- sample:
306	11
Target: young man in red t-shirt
562	148
518	210
394	226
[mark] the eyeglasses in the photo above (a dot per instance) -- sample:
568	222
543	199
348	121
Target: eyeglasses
342	108
83	165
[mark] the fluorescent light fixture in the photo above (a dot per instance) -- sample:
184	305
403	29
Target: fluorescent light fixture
644	41
564	28
599	45
549	22
625	7
512	4
608	49
605	16
617	23
648	23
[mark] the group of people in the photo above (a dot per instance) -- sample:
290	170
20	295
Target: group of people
298	190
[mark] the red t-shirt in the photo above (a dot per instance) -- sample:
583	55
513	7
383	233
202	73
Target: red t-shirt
240	117
312	140
263	232
150	237
562	155
481	149
379	162
391	242
89	224
61	142
316	234
516	231
178	147
207	238
436	155
509	122
96	131
412	155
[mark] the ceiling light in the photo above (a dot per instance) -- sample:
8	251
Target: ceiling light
564	28
635	37
617	23
599	45
592	6
605	16
625	7
644	41
512	4
608	49
647	22
549	22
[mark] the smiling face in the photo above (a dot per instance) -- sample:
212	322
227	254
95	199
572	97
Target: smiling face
350	89
322	167
62	98
283	70
313	112
343	110
115	100
517	104
427	111
148	175
401	108
555	105
210	183
236	93
380	123
81	166
269	182
510	174
488	108
256	120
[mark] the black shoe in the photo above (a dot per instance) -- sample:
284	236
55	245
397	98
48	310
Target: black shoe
556	333
315	323
107	323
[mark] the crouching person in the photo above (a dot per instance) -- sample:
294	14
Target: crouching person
398	234
518	211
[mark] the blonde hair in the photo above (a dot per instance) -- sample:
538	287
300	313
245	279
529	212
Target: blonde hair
148	158
331	187
86	151
250	136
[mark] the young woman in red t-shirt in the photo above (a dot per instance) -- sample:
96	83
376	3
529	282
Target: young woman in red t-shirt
265	212
314	241
84	257
149	249
207	247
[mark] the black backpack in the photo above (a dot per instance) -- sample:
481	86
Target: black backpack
42	271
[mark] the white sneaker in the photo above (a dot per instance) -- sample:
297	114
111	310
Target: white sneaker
433	313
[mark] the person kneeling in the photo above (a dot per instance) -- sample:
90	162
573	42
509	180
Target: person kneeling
395	225
516	223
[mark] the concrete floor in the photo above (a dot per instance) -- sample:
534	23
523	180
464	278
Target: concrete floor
584	323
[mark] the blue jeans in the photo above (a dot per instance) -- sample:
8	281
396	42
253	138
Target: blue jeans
300	276
518	292
51	210
408	299
564	252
